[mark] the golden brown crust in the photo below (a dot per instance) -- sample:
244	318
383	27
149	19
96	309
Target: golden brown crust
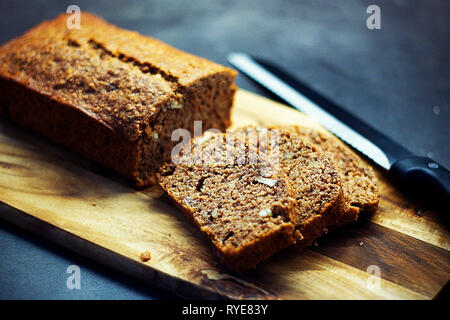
124	82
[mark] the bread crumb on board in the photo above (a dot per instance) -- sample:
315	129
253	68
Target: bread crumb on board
94	203
145	256
361	243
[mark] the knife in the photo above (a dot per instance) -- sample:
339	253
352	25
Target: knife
421	175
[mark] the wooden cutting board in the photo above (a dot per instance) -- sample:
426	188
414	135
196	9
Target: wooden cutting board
401	252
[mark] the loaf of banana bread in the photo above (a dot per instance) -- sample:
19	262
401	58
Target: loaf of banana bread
236	196
112	95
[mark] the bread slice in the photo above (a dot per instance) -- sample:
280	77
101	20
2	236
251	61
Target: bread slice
359	183
235	196
312	176
113	95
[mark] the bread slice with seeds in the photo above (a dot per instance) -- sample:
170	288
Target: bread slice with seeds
236	197
312	176
359	183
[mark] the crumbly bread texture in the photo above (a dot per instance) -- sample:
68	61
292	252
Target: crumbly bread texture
235	196
359	184
313	178
110	94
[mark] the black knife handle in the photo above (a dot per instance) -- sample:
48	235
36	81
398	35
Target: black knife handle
425	177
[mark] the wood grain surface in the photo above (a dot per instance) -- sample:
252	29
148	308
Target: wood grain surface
83	207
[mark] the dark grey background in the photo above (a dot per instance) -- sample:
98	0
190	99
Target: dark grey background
396	78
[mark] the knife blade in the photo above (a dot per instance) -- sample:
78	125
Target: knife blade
419	173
